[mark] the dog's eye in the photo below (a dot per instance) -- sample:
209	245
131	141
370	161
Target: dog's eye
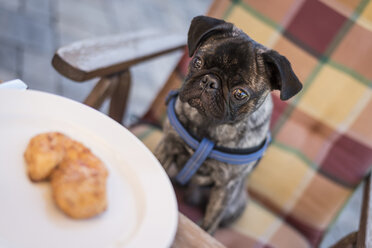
240	94
197	63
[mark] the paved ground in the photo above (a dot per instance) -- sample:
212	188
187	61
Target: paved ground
31	31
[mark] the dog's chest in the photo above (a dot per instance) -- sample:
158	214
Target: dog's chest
250	132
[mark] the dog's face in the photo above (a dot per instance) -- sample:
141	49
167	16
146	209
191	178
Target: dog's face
230	75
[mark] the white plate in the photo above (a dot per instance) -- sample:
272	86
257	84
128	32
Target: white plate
142	209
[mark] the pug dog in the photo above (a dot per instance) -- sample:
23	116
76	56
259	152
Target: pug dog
226	99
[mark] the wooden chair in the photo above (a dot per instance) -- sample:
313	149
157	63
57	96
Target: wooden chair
322	148
110	60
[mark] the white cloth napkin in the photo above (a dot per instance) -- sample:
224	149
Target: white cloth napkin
14	84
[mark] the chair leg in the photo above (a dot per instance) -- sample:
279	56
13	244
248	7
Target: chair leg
348	241
100	92
119	96
364	238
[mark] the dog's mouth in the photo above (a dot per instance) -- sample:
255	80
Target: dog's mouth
196	103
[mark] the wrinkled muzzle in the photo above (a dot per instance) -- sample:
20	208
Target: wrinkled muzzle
206	95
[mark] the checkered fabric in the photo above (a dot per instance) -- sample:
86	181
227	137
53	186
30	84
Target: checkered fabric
322	145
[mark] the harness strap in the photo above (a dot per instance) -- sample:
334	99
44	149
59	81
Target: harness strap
196	160
204	149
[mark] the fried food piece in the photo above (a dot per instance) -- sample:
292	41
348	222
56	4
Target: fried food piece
44	152
77	176
79	183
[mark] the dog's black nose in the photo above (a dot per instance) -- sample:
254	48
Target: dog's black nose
211	82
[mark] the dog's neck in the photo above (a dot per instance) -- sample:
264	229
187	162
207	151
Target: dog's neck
246	133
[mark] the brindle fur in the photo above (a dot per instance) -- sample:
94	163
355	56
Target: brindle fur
235	60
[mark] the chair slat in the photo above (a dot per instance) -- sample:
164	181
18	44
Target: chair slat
99	57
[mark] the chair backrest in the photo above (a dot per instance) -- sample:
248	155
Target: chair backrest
322	145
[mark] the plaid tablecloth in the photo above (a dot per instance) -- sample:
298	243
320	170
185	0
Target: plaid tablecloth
322	145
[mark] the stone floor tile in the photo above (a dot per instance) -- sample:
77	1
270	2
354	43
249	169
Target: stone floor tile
39	37
11	26
69	34
13	5
8	56
77	91
6	75
83	15
38	73
26	30
38	7
147	79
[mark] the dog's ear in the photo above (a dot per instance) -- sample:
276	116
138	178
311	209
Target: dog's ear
203	27
281	75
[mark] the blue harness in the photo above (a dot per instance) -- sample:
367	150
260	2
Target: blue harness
205	148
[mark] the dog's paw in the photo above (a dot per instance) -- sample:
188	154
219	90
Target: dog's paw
209	227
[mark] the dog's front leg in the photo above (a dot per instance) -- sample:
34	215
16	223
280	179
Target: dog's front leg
163	156
219	198
198	189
